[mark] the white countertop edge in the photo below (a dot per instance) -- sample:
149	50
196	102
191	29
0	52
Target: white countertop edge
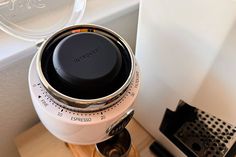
97	11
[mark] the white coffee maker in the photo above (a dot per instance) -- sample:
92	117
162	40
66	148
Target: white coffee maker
186	51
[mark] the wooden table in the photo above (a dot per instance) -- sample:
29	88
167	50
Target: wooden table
38	142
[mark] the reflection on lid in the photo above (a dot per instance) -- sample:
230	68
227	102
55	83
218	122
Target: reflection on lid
37	19
13	11
27	4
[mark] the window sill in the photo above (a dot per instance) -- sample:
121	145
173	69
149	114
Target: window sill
97	12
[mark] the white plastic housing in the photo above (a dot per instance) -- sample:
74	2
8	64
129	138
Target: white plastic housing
73	126
184	52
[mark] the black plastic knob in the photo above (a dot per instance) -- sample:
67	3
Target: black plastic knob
86	65
87	61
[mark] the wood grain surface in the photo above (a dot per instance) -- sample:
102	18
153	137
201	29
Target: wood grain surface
38	142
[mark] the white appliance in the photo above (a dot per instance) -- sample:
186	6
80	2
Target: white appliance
65	110
186	50
62	92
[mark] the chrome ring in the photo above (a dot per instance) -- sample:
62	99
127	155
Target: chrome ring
84	104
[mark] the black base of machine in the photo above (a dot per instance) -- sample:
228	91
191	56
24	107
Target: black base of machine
197	133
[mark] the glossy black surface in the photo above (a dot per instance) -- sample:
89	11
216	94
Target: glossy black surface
87	60
85	65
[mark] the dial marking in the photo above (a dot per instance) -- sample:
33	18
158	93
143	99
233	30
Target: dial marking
103	117
73	115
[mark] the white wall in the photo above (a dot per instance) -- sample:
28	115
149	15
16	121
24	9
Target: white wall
17	113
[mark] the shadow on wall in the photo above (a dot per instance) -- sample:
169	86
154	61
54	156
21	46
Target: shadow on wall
218	90
16	112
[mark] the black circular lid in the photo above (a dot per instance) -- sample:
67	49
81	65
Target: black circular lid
87	61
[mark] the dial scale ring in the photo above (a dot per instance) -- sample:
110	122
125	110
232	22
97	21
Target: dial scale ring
56	109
